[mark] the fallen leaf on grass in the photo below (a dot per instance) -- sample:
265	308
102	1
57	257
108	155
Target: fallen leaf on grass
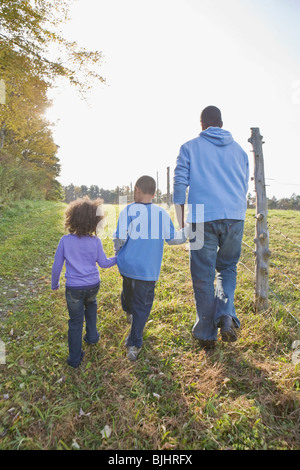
168	446
75	445
16	417
62	379
106	432
82	413
225	381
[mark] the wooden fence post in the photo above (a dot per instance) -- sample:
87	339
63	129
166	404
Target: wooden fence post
261	229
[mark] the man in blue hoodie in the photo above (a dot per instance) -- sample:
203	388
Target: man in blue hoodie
216	170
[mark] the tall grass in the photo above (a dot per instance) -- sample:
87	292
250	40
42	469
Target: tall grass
176	396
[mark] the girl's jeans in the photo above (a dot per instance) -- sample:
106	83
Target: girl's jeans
220	253
82	304
137	299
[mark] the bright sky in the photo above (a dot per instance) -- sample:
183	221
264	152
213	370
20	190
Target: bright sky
165	60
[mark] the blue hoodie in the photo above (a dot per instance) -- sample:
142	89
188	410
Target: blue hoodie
141	232
216	169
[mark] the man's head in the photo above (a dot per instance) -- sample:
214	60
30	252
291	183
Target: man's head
211	116
144	188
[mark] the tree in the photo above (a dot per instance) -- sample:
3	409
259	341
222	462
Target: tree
272	203
28	27
84	190
70	193
26	136
295	202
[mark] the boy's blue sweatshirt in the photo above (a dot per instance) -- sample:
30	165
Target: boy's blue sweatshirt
216	169
143	229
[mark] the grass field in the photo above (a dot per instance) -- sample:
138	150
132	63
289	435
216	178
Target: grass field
241	396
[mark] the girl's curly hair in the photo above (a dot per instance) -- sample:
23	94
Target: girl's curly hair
82	216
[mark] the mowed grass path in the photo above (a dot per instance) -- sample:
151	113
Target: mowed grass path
175	396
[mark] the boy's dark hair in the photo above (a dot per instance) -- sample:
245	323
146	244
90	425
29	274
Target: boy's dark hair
146	184
81	216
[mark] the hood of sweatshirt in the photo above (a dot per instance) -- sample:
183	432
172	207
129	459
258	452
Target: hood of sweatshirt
217	136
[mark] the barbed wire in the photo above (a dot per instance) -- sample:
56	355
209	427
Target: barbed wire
284	306
270	289
278	268
285	184
285	236
251	247
244	265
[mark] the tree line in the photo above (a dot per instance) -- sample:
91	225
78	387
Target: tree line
109	196
29	165
286	203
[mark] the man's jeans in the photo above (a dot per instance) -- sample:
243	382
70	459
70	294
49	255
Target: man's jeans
137	299
82	304
220	252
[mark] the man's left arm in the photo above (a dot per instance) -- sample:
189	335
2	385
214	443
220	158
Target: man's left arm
181	182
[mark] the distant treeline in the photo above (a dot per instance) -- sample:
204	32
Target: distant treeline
111	196
291	203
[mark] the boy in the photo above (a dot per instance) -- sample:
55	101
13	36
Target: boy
139	241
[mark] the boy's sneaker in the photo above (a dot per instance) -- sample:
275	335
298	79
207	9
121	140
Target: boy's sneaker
132	353
207	344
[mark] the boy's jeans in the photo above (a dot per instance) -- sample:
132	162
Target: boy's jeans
137	299
82	304
220	252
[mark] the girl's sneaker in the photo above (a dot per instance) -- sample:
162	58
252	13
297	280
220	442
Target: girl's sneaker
80	361
132	353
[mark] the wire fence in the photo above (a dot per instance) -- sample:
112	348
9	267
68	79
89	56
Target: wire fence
282	287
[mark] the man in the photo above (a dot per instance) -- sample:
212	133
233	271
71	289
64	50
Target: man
216	170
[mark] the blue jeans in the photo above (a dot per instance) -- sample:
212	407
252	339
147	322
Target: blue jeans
82	304
137	299
219	254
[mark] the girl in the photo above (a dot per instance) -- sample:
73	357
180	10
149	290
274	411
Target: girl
81	250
